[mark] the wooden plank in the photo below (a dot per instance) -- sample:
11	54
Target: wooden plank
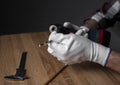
40	65
87	74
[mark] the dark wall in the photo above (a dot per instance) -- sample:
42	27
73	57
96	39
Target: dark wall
20	16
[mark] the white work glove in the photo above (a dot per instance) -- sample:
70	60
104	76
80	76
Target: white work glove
72	48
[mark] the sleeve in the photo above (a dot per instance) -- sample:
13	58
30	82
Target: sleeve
107	15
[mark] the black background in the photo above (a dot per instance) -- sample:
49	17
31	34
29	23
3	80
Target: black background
21	16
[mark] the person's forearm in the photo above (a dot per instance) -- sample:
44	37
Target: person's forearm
114	61
91	24
104	17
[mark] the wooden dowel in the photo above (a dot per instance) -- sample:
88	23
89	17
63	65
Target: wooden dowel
51	79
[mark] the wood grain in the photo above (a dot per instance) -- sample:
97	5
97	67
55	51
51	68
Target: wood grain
41	66
87	74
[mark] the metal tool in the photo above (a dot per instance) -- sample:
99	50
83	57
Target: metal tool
20	72
100	36
44	43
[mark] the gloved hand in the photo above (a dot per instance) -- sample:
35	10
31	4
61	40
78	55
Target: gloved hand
73	48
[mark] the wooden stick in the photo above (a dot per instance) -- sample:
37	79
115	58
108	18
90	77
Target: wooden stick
60	71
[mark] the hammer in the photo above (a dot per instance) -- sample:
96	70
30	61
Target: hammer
20	72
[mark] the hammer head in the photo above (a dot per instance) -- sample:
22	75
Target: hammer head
20	72
20	75
14	77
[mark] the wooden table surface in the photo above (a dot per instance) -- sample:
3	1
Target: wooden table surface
41	66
